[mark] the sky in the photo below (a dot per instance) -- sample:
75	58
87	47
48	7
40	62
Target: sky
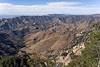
43	7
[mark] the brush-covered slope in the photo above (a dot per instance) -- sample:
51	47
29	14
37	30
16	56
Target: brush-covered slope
57	37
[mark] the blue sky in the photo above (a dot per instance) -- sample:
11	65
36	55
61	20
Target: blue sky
41	7
30	2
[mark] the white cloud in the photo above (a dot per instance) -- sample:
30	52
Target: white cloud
49	8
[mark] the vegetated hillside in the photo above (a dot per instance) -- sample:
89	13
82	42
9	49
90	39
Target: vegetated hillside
91	54
9	44
54	38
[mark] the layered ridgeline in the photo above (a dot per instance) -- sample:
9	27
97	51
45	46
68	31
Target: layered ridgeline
55	37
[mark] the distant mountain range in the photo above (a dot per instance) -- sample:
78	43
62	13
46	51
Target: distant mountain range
12	16
7	16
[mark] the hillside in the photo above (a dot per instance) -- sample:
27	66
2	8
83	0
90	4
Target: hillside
23	27
91	54
60	39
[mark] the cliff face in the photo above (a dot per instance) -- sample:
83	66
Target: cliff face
43	34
